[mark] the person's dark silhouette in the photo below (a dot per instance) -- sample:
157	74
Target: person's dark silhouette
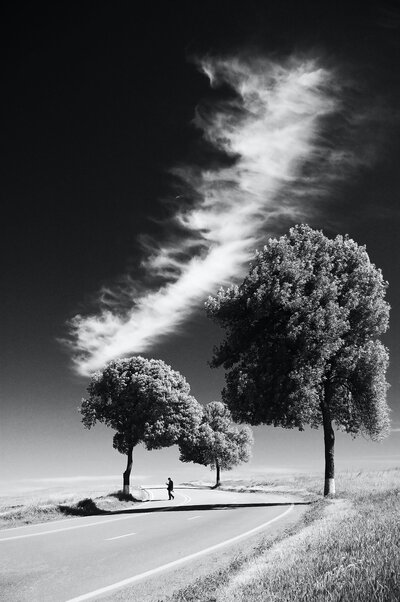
170	488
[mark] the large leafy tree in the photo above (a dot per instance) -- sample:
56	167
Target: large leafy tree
144	401
218	442
302	339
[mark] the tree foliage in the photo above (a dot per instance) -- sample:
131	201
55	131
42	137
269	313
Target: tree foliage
302	330
218	442
144	401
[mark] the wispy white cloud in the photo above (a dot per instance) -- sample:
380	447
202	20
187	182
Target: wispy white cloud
268	131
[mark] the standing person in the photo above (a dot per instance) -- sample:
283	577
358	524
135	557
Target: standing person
170	488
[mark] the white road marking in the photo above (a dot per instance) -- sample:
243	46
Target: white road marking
186	500
99	522
169	565
119	536
193	517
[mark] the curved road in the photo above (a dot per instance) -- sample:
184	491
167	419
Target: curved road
84	558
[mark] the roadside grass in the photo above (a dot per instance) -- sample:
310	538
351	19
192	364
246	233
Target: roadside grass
56	507
345	549
308	487
34	511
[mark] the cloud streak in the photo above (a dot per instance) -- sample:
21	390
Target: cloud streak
270	128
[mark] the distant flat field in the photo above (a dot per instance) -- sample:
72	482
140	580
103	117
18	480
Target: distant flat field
57	486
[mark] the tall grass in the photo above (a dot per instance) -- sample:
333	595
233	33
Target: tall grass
33	510
59	506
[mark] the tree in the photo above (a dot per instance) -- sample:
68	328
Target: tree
302	339
218	442
144	401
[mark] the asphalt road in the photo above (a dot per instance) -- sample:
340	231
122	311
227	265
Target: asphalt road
86	558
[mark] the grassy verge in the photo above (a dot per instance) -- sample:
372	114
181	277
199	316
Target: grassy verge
345	549
55	507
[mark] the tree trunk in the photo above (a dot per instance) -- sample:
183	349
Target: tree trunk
329	440
218	481
127	472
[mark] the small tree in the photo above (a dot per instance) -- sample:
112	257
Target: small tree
144	401
218	442
302	339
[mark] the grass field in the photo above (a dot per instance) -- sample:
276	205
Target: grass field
346	549
39	508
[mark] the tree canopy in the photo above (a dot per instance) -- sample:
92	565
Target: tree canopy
218	442
144	401
302	336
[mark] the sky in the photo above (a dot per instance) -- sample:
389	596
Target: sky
145	156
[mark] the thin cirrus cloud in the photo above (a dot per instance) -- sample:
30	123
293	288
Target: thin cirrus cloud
272	126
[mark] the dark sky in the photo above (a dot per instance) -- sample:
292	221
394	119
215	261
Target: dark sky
96	106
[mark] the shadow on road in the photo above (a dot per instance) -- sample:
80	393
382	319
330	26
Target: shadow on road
200	507
71	510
